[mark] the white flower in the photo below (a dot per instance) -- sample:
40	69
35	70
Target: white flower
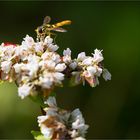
99	71
50	78
23	51
28	41
87	74
67	52
39	47
56	57
88	61
77	114
56	121
7	52
6	66
73	65
98	57
24	90
51	56
18	67
52	47
66	59
30	67
73	133
58	77
67	55
45	82
60	67
79	122
41	119
81	56
90	67
51	111
50	64
51	101
106	74
47	132
48	40
33	68
92	70
45	55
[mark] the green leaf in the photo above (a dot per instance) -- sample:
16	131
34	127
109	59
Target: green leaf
35	133
38	136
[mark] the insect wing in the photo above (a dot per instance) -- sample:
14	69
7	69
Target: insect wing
65	22
59	29
46	20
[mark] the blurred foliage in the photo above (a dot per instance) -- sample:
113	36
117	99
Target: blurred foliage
112	108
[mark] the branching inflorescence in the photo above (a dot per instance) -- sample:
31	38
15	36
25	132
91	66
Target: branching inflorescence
37	69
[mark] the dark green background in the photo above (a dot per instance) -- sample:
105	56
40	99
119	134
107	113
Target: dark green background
113	108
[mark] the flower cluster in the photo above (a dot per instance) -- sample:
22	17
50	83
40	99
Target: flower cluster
87	68
61	124
36	65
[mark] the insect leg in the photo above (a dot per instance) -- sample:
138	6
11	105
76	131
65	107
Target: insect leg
55	35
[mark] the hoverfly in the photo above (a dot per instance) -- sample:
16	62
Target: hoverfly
46	28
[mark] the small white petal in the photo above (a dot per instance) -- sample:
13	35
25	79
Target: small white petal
6	66
48	40
88	61
73	133
75	125
106	74
60	67
52	47
59	76
77	114
45	82
24	90
67	59
41	119
18	67
29	41
99	71
81	56
51	102
92	70
67	52
50	64
47	132
55	57
73	65
98	57
39	47
45	55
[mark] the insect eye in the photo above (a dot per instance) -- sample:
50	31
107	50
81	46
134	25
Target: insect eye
40	30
